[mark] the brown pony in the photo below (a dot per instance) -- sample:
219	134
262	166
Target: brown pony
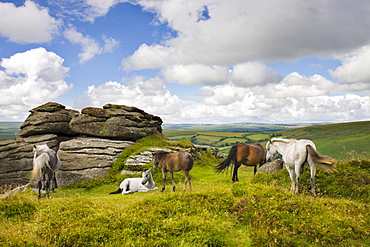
242	153
173	162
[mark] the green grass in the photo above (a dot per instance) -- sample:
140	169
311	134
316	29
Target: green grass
5	137
258	211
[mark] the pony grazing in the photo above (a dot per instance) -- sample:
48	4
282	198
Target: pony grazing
295	154
131	185
173	162
242	153
45	163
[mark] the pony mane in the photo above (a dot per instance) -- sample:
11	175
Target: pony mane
284	140
41	147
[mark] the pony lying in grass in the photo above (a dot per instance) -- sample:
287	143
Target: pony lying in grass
295	154
131	185
45	163
173	162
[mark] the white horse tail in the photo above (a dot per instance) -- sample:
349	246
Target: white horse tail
326	163
38	164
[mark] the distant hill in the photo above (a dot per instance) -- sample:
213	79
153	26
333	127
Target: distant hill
342	141
237	127
9	130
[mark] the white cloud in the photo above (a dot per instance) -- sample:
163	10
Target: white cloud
244	30
254	73
90	47
30	78
196	74
151	96
355	67
29	23
148	57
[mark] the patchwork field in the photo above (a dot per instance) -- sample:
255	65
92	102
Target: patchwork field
344	140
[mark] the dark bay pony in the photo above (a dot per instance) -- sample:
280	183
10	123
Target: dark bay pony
45	163
173	162
246	154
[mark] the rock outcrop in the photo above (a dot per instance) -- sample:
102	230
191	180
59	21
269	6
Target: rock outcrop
50	118
271	167
116	122
85	158
16	157
87	142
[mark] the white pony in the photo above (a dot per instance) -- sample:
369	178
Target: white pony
131	185
295	154
45	163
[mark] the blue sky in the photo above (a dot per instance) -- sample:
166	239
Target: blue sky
204	61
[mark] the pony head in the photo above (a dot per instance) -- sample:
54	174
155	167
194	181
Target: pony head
271	151
158	155
146	176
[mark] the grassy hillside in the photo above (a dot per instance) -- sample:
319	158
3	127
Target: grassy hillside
342	141
9	130
258	211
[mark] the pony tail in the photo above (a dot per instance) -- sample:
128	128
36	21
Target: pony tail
38	164
224	164
325	163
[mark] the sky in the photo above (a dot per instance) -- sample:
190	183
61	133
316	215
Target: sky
189	61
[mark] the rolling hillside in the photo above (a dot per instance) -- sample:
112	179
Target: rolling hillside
9	130
258	211
342	141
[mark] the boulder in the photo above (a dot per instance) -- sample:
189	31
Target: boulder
116	122
140	159
50	118
16	157
85	158
271	167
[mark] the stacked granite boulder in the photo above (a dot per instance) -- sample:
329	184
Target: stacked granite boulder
87	143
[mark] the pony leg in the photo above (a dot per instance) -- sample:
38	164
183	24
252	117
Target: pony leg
187	180
163	180
39	190
312	178
48	183
291	175
297	177
173	182
43	180
47	189
235	174
55	184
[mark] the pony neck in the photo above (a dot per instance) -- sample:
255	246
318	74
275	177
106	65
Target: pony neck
281	146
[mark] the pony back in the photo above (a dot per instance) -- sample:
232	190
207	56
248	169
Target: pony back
38	164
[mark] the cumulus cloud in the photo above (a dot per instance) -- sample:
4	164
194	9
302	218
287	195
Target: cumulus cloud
196	74
150	95
355	67
240	30
90	47
149	57
30	79
254	73
29	23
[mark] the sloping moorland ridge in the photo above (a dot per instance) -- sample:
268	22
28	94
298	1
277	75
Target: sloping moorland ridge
257	211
